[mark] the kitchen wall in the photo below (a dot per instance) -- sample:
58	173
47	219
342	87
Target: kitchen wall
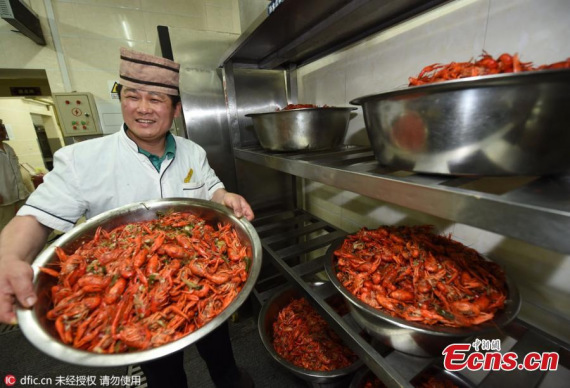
84	37
538	31
249	10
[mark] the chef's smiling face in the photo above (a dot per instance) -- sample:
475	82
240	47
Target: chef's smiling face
148	115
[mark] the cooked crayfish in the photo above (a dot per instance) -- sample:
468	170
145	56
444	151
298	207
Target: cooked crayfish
301	106
146	284
304	338
412	273
485	65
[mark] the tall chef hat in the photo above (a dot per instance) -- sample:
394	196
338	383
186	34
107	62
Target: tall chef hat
148	72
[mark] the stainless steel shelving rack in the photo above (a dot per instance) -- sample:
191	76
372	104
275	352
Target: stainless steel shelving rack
531	209
289	234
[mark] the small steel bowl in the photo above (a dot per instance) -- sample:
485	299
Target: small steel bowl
41	332
411	337
308	129
268	314
502	125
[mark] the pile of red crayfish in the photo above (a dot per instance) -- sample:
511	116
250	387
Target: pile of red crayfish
485	65
412	273
301	106
304	338
145	284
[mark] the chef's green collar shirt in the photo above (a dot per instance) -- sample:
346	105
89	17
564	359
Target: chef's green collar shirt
169	152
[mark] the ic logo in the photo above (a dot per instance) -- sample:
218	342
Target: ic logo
10	380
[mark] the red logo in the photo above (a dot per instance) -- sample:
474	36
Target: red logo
457	357
10	380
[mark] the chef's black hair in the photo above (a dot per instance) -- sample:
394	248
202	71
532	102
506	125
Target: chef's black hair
175	99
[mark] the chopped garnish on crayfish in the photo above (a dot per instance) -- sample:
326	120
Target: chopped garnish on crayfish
412	273
146	284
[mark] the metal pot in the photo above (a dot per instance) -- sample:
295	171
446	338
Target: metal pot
41	332
411	337
268	314
301	129
504	124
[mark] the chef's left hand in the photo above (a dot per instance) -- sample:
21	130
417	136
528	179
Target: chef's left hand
235	202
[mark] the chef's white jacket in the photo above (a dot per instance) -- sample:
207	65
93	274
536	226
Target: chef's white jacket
12	187
101	174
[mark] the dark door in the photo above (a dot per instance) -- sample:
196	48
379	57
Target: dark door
45	149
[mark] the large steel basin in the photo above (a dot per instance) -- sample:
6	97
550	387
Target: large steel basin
41	332
411	337
505	124
309	129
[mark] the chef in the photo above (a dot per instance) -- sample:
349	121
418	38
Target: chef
142	161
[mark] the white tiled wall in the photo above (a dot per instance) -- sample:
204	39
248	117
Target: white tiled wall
458	31
92	31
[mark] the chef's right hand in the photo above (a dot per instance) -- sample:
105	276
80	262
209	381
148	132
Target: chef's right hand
15	285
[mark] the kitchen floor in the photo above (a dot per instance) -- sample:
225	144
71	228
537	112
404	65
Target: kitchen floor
29	365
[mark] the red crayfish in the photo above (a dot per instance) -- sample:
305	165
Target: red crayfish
412	273
485	65
146	284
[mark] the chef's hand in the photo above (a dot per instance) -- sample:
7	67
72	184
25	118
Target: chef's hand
235	202
20	241
15	284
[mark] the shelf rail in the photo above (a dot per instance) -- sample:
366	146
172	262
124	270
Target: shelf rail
531	209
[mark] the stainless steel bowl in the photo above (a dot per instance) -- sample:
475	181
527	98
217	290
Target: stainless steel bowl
268	315
41	332
301	129
505	124
411	337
